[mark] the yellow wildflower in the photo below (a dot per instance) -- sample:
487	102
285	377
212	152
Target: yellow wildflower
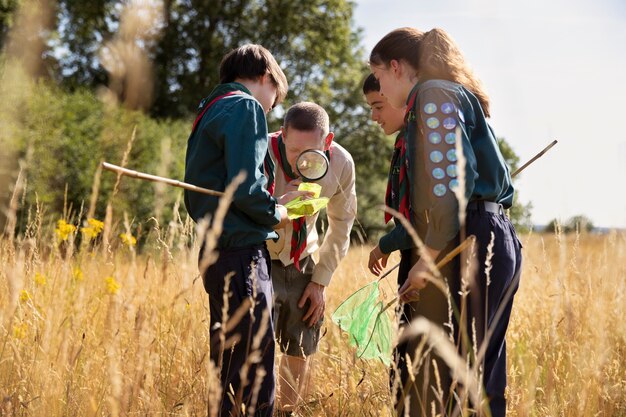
40	279
24	296
128	239
77	274
19	332
112	285
64	230
93	229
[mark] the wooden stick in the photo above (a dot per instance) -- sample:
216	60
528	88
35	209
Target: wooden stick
534	158
175	183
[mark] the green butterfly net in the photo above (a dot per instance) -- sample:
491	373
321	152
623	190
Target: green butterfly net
366	320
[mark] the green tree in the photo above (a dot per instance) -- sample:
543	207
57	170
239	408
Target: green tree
314	41
579	223
520	214
7	12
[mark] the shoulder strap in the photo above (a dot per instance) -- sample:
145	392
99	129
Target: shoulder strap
195	123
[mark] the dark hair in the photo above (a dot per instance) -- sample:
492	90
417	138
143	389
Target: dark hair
250	62
307	116
371	84
433	55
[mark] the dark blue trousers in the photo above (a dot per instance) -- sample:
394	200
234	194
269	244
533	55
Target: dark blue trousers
231	351
489	303
487	308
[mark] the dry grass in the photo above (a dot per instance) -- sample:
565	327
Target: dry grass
98	330
73	343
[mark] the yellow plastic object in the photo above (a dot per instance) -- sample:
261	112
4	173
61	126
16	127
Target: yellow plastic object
315	188
299	208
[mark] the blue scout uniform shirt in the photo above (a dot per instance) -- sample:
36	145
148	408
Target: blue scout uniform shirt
231	137
397	238
440	107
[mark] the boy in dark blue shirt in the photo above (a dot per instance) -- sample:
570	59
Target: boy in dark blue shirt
229	136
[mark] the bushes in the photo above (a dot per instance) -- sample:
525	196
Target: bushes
63	137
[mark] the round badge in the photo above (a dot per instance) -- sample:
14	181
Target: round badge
439	190
450	138
436	156
447	108
453	184
451	155
438	173
451	170
449	123
430	108
432	122
434	138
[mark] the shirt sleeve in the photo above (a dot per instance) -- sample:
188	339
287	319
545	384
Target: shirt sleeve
440	117
341	212
396	239
245	147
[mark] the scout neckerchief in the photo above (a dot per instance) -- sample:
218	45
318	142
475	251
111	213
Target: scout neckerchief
299	233
400	160
397	196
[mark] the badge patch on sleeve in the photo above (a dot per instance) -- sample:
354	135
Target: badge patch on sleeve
432	122
439	190
447	108
430	108
436	156
434	138
438	173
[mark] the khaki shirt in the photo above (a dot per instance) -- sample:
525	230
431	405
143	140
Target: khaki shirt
338	186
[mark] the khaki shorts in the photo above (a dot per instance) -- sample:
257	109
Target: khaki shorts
293	335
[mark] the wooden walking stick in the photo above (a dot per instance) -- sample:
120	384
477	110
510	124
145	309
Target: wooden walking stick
155	178
534	158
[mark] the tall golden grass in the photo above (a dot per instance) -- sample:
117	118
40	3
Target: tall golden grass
92	332
96	329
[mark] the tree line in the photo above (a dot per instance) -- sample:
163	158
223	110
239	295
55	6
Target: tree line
105	68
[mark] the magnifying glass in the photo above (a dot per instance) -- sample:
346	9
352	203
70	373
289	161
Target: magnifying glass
312	165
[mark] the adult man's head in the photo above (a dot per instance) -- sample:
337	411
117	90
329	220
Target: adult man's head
305	127
388	117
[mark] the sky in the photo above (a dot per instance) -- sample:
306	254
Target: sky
554	69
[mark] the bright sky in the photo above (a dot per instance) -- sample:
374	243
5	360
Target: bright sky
554	69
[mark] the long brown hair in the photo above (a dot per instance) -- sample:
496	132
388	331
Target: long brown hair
433	55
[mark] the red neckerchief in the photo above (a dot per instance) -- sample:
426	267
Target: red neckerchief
299	233
398	198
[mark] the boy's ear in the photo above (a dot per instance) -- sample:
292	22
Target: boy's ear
283	131
265	78
328	141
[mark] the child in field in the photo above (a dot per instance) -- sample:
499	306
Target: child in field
229	136
427	73
397	197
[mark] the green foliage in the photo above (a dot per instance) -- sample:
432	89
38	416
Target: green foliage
7	14
519	213
313	40
577	223
66	136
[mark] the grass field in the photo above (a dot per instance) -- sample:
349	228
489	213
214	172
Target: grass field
91	331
